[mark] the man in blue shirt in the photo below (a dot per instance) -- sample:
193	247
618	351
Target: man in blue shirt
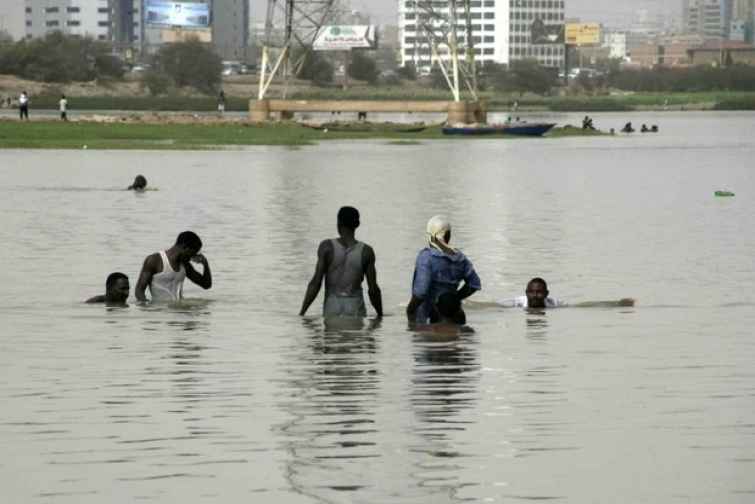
439	269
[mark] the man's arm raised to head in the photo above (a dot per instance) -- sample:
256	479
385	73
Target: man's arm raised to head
324	254
145	277
205	279
373	289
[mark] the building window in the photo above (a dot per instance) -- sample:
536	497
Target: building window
28	23
52	23
103	23
103	10
73	10
489	40
73	23
28	10
51	10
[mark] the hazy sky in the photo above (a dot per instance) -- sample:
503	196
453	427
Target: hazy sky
607	11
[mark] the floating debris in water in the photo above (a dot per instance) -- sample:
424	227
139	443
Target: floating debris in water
724	194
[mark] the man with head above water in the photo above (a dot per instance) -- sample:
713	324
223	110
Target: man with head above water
343	263
116	290
164	272
140	184
439	269
537	296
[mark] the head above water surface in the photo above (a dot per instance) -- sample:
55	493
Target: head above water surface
537	293
140	182
117	287
348	218
188	245
439	233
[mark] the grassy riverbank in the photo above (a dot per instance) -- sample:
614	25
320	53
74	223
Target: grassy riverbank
496	102
90	135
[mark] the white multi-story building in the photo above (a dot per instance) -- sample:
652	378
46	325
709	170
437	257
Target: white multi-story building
501	31
75	17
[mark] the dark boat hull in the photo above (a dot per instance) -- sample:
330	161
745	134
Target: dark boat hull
517	129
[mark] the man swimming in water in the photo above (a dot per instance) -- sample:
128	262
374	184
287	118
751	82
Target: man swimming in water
140	184
538	296
439	269
164	272
116	290
343	263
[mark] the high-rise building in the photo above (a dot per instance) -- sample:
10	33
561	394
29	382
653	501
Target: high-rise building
709	18
230	29
501	30
522	14
12	19
76	17
127	23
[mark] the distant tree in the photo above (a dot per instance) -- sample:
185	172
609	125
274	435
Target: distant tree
407	72
363	67
190	63
59	58
5	38
437	79
317	69
530	76
156	82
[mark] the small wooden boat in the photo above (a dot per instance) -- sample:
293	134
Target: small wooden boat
349	127
516	129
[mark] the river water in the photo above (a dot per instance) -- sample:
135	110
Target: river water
231	397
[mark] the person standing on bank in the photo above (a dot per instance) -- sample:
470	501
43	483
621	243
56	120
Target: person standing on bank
63	108
23	106
164	272
343	263
439	269
221	102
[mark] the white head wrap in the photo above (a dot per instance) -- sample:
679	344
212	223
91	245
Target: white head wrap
437	227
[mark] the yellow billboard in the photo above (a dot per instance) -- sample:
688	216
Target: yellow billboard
581	34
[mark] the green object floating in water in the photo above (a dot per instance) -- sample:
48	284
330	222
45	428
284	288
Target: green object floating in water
724	194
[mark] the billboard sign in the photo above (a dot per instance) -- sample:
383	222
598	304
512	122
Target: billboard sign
583	34
184	14
541	33
345	38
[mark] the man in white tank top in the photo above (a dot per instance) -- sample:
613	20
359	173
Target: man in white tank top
164	272
343	263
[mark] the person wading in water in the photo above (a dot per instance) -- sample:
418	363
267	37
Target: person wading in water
343	263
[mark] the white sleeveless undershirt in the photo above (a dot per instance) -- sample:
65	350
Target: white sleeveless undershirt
168	284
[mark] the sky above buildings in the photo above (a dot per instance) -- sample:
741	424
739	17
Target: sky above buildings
605	11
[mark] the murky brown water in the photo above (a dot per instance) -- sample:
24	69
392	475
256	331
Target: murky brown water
233	398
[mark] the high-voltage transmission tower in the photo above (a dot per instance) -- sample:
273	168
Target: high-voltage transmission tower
291	28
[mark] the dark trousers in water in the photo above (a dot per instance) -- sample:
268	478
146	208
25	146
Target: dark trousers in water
23	111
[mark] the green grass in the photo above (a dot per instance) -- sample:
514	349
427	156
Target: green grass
57	135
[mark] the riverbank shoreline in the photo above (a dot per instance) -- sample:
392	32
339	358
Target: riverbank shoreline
183	134
651	102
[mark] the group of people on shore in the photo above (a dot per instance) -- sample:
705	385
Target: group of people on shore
443	276
24	103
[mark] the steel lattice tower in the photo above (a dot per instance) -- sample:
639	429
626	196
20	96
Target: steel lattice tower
292	26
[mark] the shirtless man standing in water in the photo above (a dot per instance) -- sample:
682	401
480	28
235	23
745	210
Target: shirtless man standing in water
343	263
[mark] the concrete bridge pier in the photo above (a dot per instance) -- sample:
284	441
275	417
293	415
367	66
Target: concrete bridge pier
465	112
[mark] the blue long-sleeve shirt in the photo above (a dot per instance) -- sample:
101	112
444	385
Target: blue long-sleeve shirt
436	273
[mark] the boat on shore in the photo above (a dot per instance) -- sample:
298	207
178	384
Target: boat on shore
363	127
514	129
